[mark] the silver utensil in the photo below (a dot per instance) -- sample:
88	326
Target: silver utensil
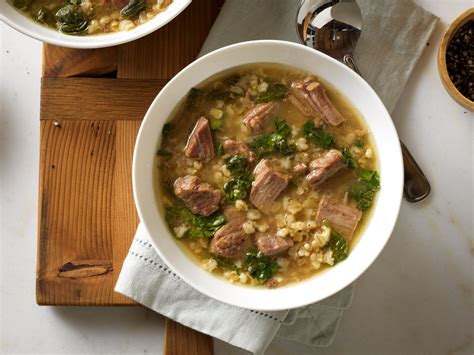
333	27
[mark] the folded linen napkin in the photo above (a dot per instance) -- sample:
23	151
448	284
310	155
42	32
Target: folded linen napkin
393	37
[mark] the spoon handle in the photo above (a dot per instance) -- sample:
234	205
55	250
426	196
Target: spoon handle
416	185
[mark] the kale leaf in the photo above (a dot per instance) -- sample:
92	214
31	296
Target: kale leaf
318	136
192	97
198	226
276	142
363	191
167	128
238	187
275	92
259	266
348	159
205	227
237	164
219	149
338	244
133	8
71	20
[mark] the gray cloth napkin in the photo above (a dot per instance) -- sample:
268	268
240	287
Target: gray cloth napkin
394	35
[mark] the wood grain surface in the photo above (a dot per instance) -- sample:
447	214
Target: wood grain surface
92	104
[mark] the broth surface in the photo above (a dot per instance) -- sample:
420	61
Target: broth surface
293	213
87	17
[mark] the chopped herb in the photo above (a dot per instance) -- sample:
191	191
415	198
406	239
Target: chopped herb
215	123
348	159
199	226
318	136
338	244
238	188
275	92
358	143
237	164
74	2
275	142
363	191
167	128
259	266
219	149
192	97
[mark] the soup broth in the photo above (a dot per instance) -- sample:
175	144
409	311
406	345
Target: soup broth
86	17
266	174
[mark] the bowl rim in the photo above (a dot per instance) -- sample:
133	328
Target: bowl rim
459	21
44	34
141	206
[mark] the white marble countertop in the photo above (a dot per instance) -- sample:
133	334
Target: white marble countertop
416	298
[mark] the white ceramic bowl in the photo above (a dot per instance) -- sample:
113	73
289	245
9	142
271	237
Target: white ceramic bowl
25	25
378	229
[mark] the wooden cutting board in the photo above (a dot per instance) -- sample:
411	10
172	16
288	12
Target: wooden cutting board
92	104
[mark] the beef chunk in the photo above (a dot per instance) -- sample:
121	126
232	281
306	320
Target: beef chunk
302	100
318	95
254	120
200	144
235	147
341	217
310	98
199	197
267	186
231	242
324	167
270	244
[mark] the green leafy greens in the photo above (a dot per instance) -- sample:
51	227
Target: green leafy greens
318	136
71	20
358	143
167	128
192	97
338	244
133	8
238	188
275	92
198	226
276	142
363	191
45	16
259	266
237	164
348	159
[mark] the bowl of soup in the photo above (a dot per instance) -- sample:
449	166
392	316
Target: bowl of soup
268	175
89	23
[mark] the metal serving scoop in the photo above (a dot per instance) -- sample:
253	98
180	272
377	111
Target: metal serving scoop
333	27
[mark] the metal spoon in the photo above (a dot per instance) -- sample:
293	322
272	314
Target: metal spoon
333	27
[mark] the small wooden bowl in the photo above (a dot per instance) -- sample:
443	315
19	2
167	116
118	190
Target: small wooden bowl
442	69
